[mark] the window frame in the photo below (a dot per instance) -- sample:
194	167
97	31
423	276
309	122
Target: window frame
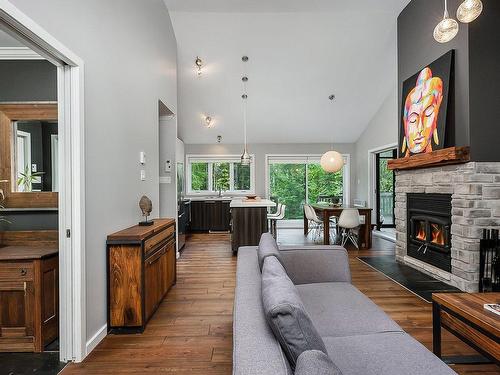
309	159
211	159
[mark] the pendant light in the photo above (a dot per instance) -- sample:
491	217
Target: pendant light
447	29
245	157
469	10
332	161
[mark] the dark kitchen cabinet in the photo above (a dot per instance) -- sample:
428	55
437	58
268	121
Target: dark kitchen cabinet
210	215
199	216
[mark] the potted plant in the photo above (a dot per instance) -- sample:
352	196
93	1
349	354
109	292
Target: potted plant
27	178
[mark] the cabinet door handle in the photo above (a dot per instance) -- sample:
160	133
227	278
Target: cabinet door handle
25	288
24	272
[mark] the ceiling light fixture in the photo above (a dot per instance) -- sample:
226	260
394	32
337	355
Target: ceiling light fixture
208	121
332	161
245	157
469	10
199	64
447	29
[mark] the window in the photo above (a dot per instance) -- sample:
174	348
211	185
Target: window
209	174
295	179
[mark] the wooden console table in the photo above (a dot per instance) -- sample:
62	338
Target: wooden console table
463	315
141	270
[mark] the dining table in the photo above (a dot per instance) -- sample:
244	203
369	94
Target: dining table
326	210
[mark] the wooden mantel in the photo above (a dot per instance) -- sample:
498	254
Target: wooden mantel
451	155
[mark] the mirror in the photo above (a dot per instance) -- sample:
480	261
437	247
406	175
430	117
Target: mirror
29	155
35	156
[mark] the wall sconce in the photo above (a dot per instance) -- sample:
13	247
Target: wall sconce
199	64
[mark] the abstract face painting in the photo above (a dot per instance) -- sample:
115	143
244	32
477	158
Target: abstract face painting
424	108
421	110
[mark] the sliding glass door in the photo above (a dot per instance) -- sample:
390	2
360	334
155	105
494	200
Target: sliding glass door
294	180
385	191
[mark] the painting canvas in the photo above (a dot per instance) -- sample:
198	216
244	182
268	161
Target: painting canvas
424	108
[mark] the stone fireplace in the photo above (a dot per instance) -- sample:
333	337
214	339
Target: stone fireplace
440	214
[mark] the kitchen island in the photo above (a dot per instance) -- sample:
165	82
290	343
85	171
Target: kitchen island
249	221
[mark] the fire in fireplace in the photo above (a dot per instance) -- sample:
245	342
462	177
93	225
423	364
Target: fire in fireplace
429	229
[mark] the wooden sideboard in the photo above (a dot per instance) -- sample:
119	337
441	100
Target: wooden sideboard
29	298
141	268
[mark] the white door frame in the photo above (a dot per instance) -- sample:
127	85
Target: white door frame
372	175
72	309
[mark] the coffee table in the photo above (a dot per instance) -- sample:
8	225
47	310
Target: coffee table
463	315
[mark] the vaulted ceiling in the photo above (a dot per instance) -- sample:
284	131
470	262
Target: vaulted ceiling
299	53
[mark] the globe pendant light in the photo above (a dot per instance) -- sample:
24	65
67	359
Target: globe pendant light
469	10
332	161
447	29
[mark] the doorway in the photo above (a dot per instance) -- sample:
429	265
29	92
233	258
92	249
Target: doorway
59	186
385	189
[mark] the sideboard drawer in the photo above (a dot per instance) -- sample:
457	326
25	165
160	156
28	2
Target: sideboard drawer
151	243
20	271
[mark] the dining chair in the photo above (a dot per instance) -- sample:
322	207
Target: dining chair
315	223
349	223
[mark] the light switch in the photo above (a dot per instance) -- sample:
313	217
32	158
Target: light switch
168	166
142	157
34	168
143	175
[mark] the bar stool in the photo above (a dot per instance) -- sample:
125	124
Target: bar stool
274	215
274	221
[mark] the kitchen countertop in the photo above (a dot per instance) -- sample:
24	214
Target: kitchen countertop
202	198
239	202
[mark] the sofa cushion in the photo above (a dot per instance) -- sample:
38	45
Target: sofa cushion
267	247
286	314
339	309
391	353
315	362
255	349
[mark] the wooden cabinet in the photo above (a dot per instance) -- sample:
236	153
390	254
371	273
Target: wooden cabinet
210	215
141	270
29	298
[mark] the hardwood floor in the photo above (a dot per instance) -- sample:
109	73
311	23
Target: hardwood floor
191	333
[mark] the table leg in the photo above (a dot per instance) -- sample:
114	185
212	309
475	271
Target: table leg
326	228
306	225
436	329
368	230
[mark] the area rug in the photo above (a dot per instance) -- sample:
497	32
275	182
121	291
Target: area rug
415	281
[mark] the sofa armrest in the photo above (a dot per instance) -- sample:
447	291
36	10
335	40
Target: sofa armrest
316	264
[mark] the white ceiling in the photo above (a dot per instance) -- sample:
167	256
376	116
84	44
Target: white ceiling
300	52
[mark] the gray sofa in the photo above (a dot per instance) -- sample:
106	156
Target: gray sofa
359	337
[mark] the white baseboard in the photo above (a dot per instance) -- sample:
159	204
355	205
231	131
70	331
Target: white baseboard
96	339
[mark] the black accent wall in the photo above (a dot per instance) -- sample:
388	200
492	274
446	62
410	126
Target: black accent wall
474	103
28	81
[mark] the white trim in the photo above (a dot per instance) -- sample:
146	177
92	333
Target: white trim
308	158
372	176
18	53
96	339
72	310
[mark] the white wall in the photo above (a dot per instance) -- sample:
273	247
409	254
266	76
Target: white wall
129	49
382	130
260	150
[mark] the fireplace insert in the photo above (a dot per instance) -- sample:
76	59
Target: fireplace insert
429	229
